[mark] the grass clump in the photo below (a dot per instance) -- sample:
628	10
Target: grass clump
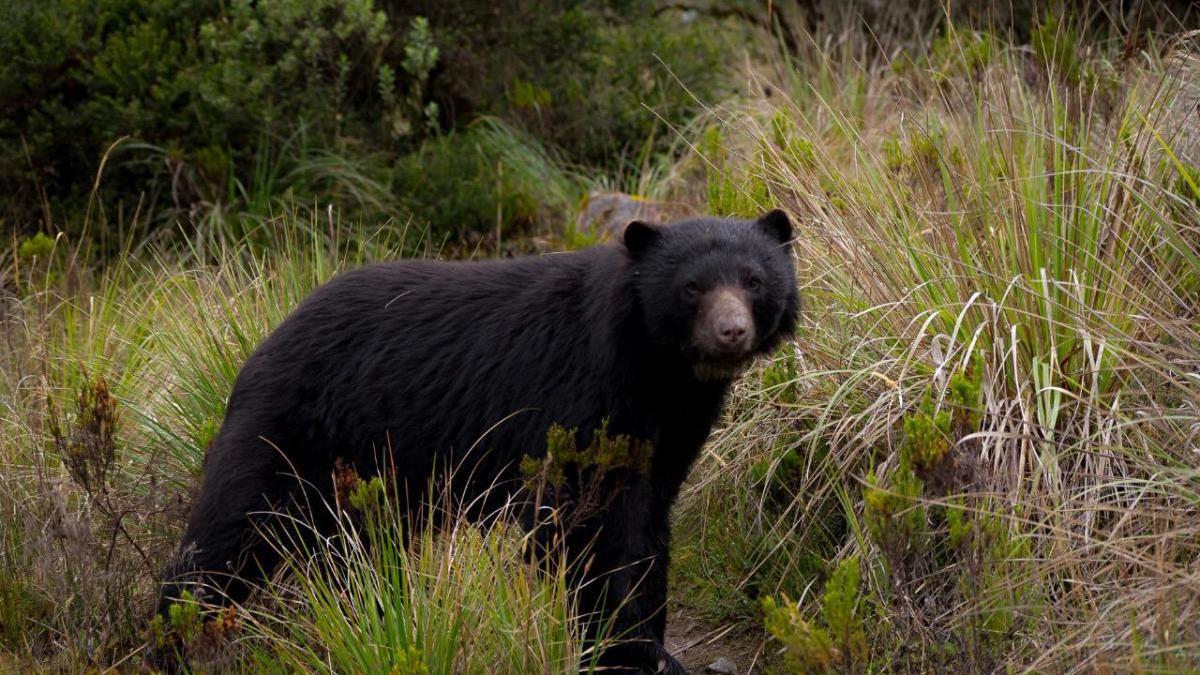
114	383
989	397
455	598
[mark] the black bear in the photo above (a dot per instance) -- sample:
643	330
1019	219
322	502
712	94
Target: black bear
425	364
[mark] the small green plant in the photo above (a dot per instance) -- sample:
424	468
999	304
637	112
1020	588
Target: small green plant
895	516
420	56
201	635
602	453
729	194
38	246
185	618
787	137
840	645
921	152
525	94
367	496
930	431
408	661
780	375
779	466
88	446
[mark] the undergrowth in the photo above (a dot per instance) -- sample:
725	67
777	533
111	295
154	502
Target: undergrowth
977	456
980	454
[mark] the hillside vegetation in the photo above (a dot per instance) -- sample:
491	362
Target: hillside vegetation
980	454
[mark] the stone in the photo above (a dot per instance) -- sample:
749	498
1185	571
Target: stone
606	214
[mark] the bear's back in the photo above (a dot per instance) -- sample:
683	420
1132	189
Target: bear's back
418	356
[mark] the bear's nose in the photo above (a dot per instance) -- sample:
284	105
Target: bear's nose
733	329
727	324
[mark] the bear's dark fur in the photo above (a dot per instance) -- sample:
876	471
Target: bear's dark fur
470	363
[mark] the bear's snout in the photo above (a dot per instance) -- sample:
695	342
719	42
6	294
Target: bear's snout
726	324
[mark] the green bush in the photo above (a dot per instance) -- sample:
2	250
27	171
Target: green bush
202	81
481	178
584	76
227	108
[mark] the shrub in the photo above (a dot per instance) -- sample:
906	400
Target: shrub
225	108
201	80
485	178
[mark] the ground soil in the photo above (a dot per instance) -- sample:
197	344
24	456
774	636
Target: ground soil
697	643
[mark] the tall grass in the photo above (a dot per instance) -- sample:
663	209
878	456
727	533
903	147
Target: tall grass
981	230
457	598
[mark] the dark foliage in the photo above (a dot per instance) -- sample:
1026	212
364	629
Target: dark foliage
226	107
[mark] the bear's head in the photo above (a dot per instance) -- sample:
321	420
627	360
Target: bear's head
715	291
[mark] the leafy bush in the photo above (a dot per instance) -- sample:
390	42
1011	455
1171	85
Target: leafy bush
583	76
228	106
483	178
201	80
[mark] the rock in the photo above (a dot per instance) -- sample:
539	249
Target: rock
721	666
607	213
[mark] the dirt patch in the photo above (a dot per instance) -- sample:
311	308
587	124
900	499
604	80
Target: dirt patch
697	644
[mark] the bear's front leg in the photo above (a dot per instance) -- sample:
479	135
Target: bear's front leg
654	588
623	596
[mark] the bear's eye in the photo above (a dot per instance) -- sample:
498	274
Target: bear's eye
692	288
754	283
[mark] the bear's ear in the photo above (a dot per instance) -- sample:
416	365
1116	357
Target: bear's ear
776	225
640	236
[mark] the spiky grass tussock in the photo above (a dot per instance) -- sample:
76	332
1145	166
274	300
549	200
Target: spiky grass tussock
380	594
996	225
